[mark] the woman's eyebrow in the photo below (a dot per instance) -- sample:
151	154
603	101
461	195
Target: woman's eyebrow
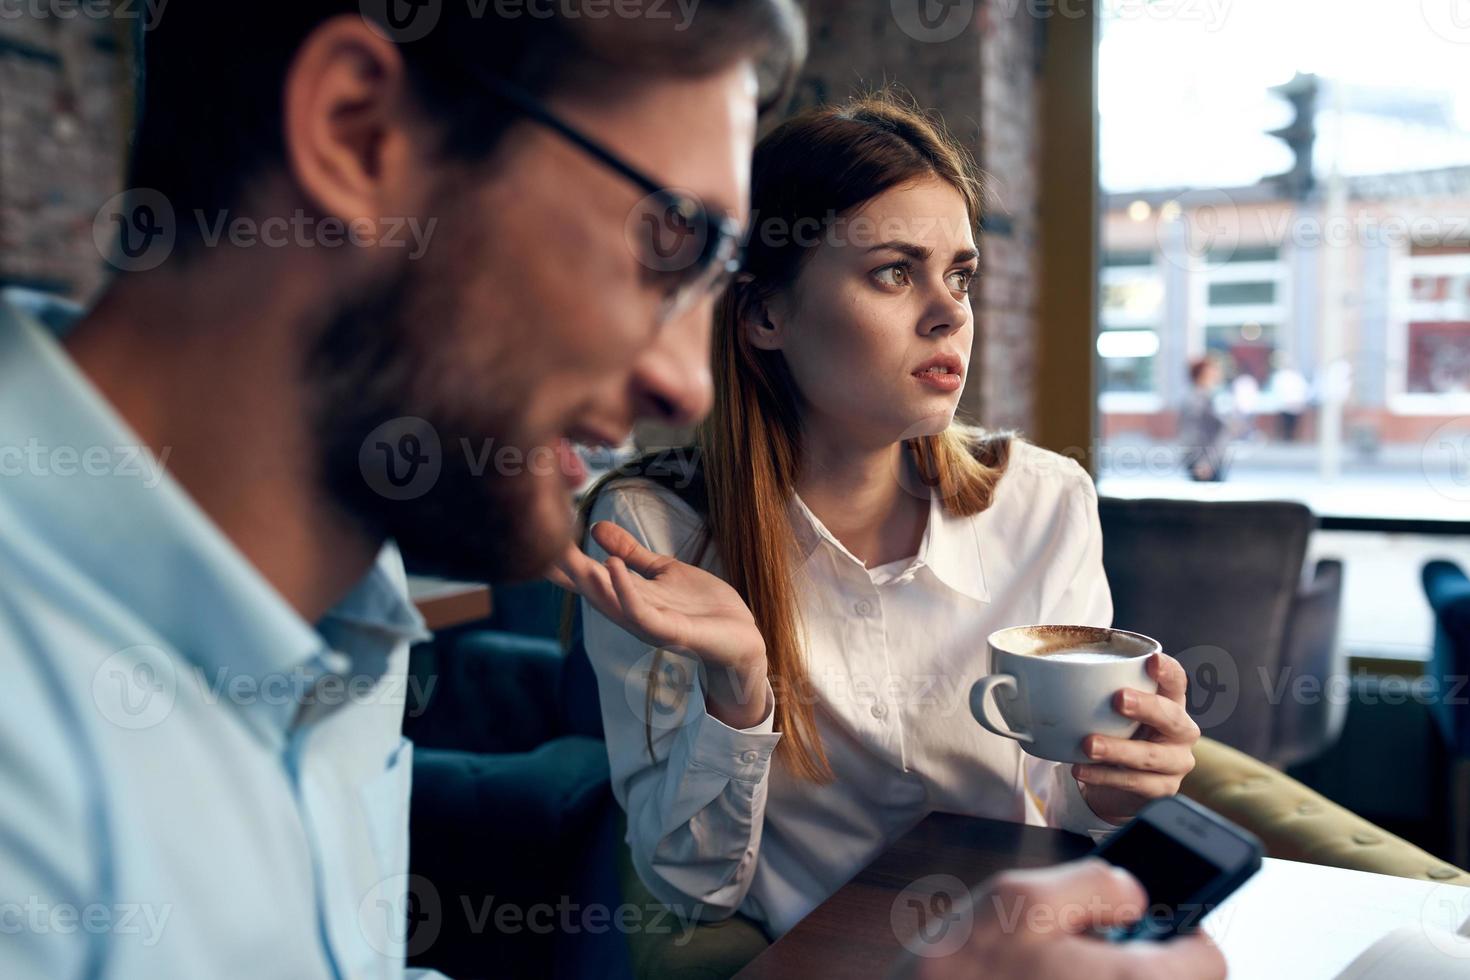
921	252
906	248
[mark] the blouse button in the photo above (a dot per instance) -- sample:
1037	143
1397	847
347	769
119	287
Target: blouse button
880	711
864	607
749	756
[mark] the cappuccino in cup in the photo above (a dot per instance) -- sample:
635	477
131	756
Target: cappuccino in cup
1052	686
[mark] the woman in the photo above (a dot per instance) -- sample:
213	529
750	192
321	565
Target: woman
1203	435
785	629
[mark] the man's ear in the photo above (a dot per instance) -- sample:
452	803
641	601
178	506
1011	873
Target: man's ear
762	325
346	143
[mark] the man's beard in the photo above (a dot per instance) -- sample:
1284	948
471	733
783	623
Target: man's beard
400	458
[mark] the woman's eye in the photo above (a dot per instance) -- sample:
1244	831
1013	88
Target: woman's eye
892	275
961	279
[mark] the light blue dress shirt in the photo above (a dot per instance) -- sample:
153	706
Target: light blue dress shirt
194	781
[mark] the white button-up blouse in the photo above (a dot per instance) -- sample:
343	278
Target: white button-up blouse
715	825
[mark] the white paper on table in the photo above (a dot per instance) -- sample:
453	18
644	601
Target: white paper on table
1301	921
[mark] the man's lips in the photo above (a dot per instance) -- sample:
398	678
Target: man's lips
570	463
598	438
570	460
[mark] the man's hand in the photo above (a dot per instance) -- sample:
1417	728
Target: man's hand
1034	925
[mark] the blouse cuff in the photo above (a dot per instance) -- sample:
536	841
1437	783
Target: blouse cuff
743	754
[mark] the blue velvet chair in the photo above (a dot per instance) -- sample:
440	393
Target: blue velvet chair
1448	590
511	805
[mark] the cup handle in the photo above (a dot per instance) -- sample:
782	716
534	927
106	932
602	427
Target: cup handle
981	706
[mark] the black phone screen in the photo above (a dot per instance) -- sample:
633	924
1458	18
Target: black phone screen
1171	872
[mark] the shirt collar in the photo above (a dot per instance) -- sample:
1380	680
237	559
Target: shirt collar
950	548
92	493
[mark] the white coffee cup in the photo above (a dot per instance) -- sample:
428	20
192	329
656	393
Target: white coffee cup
1052	686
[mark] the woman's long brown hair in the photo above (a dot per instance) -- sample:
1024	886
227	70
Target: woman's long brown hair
823	163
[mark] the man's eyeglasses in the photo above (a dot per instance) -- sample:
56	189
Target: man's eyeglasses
672	231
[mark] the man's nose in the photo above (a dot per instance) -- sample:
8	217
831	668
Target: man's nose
672	383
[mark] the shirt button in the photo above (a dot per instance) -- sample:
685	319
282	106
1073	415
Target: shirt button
864	607
880	711
749	756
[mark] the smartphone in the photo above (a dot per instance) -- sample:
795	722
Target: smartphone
1188	859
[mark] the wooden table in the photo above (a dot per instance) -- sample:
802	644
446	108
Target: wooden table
862	927
444	603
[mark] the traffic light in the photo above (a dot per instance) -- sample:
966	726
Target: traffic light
1299	135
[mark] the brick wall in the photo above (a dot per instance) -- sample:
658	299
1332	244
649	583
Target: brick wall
64	117
1009	114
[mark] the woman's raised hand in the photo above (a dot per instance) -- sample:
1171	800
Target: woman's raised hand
668	603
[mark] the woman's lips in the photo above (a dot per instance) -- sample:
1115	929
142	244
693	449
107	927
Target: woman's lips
940	380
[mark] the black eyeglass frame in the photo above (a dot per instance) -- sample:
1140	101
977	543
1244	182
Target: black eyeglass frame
720	253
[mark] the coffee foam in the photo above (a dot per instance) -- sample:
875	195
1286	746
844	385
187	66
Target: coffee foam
1043	641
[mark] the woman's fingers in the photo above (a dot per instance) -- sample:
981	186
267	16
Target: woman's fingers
1170	758
1172	678
588	579
560	579
1163	714
1147	784
635	606
616	541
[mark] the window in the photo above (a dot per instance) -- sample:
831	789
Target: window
1326	271
1434	328
1132	304
1238	293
